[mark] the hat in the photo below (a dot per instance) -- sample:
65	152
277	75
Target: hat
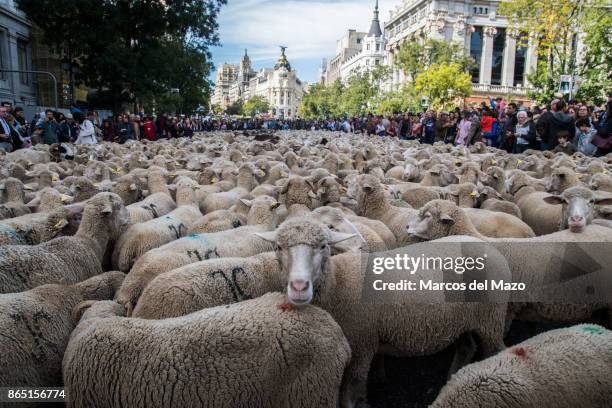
69	116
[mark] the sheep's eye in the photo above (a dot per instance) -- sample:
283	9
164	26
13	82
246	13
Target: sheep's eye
278	248
331	227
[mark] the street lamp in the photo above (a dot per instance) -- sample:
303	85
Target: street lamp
68	64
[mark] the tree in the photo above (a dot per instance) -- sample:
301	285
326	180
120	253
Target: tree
136	50
256	105
444	85
322	101
414	57
235	108
556	26
215	109
404	100
362	87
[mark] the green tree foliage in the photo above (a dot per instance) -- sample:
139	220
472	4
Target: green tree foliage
555	25
444	85
256	105
235	108
136	50
215	109
355	98
414	57
404	100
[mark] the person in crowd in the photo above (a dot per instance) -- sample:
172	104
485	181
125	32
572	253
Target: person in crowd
451	127
17	142
551	123
48	129
441	127
125	129
603	125
524	133
464	128
429	128
108	131
584	138
150	133
6	141
564	145
487	123
64	132
135	121
380	128
507	134
86	130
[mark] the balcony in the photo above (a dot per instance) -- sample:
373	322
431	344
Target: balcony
501	89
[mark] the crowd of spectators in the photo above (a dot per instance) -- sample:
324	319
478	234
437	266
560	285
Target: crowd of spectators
559	126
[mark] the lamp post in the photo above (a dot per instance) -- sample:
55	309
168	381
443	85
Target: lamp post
68	64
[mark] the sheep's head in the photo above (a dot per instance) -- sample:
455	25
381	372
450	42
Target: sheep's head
578	203
63	221
12	189
298	190
329	190
495	177
412	170
464	195
129	188
334	220
435	220
108	210
366	188
303	249
442	176
560	179
601	181
83	189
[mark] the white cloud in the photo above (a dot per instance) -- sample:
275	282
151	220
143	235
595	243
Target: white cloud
309	28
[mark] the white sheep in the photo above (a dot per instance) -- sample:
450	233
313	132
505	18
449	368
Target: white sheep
252	353
566	368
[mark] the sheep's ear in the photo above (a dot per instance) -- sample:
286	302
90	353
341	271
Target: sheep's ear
275	205
60	225
269	236
311	194
447	219
133	187
79	310
474	194
34	203
435	172
311	185
337	237
603	200
285	187
553	199
246	202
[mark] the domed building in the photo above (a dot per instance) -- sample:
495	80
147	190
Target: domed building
280	86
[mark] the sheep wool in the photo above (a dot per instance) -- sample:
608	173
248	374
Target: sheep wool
251	353
36	325
562	368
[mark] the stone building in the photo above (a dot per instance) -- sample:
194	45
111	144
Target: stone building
356	51
280	86
504	56
16	89
227	74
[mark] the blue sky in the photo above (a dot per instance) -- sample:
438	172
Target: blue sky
309	28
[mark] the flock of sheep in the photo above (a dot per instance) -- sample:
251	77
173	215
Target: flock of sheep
225	271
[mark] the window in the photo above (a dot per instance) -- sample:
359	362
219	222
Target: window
367	62
368	47
376	62
359	41
377	47
499	42
2	39
22	55
476	52
519	60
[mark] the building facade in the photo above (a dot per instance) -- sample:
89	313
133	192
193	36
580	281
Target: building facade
504	56
356	51
16	89
280	86
227	74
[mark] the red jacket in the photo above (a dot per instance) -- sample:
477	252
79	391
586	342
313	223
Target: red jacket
149	130
487	124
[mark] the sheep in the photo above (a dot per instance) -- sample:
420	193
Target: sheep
491	200
49	199
157	204
245	183
561	179
419	196
498	224
336	285
83	189
303	364
469	173
577	207
141	238
36	228
128	188
601	182
197	247
65	259
36	325
13	199
329	190
543	218
440	176
495	177
567	367
298	190
372	203
219	220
